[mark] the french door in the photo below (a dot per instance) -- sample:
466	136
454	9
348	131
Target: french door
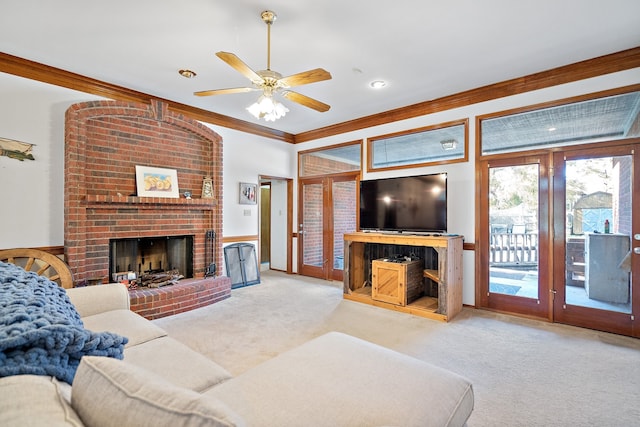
513	258
327	211
597	238
558	237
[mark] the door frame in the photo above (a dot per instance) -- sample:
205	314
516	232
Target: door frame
554	241
326	272
265	221
529	307
303	269
289	227
592	318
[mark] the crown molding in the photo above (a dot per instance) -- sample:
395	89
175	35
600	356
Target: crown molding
619	61
46	74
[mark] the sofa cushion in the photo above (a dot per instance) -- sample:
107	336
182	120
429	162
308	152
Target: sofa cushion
338	380
34	400
177	363
124	322
109	392
90	300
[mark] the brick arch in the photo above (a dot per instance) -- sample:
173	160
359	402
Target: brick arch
104	141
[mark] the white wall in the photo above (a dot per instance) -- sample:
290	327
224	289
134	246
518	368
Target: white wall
245	158
461	176
32	193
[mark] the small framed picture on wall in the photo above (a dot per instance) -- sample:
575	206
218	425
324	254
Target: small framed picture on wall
248	194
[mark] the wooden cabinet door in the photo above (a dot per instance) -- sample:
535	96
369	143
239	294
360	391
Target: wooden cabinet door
388	282
397	283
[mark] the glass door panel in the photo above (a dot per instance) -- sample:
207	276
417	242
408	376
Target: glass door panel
594	222
344	195
512	259
311	228
328	211
598	234
513	223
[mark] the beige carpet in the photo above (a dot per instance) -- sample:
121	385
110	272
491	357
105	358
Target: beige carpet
524	372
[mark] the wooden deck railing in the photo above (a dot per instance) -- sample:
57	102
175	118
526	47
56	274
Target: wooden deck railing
513	248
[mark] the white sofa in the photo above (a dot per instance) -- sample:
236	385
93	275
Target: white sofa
332	380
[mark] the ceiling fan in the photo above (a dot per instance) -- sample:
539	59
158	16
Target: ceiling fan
271	82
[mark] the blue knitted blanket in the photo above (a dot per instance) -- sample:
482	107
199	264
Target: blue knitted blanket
41	332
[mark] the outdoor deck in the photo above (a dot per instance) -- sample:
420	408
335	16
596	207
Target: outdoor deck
514	270
513	249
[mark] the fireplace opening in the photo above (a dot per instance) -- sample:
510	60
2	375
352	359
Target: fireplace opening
151	255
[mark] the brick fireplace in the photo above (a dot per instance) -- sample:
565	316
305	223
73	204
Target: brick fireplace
104	141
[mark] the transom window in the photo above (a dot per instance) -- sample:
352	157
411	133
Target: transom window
594	120
330	160
443	143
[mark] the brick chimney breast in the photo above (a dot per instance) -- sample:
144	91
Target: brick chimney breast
104	141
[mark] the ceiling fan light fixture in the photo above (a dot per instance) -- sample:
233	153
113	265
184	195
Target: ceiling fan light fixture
271	82
267	108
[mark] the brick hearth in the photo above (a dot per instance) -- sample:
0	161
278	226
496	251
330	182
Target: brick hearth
188	294
104	141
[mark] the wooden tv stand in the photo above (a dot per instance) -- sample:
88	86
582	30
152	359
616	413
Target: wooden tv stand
442	271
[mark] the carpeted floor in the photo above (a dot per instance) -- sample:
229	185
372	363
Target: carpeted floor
524	372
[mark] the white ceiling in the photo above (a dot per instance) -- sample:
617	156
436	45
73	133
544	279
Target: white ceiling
424	49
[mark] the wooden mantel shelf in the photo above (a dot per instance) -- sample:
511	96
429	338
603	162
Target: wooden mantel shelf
97	200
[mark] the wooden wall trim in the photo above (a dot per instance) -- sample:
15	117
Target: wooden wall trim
230	122
54	250
59	250
234	239
606	64
43	73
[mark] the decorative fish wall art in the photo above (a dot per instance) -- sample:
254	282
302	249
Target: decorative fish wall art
16	149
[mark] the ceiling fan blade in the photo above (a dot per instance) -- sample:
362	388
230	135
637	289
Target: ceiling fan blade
224	91
306	101
305	77
240	66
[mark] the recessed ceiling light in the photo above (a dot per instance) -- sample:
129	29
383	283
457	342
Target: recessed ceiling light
187	74
551	129
378	84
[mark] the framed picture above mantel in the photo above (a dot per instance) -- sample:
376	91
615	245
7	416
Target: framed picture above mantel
157	182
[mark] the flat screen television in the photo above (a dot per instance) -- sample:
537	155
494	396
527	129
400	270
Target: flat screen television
404	204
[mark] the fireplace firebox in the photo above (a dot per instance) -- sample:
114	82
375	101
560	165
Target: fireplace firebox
148	255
